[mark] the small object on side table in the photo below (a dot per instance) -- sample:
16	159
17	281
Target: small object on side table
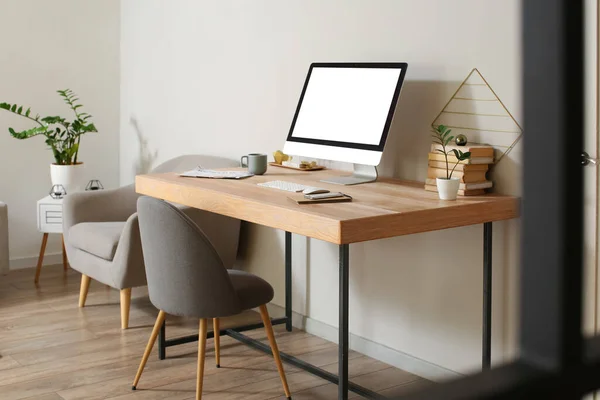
57	192
94	184
461	140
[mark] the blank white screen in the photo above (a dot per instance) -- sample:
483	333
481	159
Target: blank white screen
346	104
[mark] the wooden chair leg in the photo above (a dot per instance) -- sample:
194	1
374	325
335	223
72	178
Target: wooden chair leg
125	305
38	269
64	254
264	314
217	336
159	321
201	357
83	291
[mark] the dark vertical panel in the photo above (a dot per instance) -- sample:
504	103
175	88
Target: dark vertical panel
552	193
288	281
343	321
486	346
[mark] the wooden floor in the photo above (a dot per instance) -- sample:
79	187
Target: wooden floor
52	350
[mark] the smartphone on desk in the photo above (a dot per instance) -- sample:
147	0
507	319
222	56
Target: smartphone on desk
321	196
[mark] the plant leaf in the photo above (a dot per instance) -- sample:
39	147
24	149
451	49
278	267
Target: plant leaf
53	119
38	130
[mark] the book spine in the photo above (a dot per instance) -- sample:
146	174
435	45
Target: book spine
475	151
459	167
451	158
465	177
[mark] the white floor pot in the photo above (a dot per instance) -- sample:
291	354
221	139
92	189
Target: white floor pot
71	177
447	188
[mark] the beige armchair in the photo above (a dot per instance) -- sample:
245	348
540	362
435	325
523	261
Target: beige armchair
102	235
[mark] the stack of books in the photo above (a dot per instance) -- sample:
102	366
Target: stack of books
471	172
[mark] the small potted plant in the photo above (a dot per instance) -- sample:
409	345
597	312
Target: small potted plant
62	136
448	186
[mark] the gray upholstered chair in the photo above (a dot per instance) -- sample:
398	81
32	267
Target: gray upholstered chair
3	238
102	234
187	277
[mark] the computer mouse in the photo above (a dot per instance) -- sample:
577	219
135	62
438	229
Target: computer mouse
314	190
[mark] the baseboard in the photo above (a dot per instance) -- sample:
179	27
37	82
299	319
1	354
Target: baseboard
369	348
31	262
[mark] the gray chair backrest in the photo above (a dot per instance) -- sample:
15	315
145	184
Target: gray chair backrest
184	272
223	232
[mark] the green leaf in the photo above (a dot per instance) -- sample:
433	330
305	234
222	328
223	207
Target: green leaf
449	140
5	106
38	130
53	119
440	151
13	108
20	110
90	128
27	112
460	156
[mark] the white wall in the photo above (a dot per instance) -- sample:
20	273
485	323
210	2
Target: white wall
50	45
223	78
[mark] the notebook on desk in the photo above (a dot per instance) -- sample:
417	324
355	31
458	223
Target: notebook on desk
200	172
300	199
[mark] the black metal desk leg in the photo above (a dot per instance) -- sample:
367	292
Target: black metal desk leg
486	349
288	281
343	323
162	345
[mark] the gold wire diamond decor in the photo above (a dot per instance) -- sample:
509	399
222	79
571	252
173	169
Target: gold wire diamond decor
477	112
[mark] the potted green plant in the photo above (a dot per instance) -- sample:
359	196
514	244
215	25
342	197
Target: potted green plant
448	186
62	136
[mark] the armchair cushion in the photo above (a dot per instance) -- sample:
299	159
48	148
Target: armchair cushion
98	238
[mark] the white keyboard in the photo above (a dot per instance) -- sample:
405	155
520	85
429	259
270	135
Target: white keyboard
283	185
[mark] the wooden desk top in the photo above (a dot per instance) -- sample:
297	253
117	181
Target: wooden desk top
386	208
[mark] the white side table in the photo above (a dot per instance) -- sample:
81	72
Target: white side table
49	219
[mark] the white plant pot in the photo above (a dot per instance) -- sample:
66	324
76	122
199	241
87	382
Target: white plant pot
71	177
447	188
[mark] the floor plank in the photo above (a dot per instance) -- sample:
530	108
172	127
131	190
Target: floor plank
50	349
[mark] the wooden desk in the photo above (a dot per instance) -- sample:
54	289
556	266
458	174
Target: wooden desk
382	209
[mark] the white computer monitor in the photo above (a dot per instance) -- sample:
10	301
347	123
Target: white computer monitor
345	112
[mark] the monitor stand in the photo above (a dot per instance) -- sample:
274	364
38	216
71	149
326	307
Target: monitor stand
362	174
